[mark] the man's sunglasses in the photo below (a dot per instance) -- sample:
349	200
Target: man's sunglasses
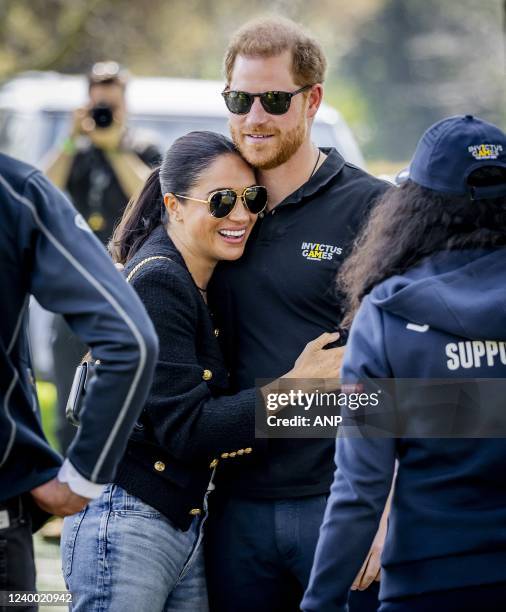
273	102
222	202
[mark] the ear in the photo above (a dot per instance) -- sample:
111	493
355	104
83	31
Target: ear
315	98
172	206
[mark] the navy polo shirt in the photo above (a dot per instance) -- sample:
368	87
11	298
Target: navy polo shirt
279	296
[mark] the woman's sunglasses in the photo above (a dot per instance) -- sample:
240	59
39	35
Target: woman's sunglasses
273	102
222	202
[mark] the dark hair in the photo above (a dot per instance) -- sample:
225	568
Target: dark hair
182	165
411	222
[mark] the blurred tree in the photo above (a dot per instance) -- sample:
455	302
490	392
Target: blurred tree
41	35
177	38
394	65
184	38
420	60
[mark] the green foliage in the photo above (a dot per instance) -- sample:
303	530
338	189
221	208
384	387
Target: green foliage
395	66
353	106
176	38
422	60
47	400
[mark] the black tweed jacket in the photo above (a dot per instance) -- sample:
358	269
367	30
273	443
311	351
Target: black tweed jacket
189	425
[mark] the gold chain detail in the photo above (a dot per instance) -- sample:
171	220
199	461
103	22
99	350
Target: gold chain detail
142	263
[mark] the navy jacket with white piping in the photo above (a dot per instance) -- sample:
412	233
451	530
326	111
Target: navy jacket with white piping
47	250
444	319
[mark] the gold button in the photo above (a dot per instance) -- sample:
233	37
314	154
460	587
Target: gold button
213	463
248	450
216	332
207	375
224	455
234	454
240	451
195	511
159	466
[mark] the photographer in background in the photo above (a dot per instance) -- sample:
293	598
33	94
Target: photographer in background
101	165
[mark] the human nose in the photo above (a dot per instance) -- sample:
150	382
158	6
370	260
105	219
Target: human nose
257	113
240	212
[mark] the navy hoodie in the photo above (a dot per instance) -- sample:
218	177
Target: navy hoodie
444	318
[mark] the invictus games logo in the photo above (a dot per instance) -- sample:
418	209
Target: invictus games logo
485	151
315	251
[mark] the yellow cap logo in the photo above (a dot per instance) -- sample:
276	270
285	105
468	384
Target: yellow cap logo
485	151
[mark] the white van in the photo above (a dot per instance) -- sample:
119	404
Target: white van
36	107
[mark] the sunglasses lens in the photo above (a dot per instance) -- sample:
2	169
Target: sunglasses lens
276	102
222	203
238	102
256	199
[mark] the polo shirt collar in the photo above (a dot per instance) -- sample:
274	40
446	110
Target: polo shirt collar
332	165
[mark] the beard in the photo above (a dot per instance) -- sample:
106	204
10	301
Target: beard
271	155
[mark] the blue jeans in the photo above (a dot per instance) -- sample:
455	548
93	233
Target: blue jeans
259	554
121	554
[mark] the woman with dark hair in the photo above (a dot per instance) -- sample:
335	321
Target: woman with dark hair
426	287
138	546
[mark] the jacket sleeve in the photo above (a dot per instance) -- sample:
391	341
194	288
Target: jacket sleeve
362	481
72	274
185	417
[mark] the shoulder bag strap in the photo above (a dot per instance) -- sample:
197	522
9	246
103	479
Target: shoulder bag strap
143	263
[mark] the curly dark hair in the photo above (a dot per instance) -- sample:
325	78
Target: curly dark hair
411	222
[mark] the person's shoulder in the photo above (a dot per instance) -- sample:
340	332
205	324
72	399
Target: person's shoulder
361	178
15	173
23	184
159	276
360	189
166	290
152	266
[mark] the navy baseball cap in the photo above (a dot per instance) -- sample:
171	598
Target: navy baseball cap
451	149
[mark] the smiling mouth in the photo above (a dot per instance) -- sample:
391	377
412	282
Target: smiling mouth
259	137
233	236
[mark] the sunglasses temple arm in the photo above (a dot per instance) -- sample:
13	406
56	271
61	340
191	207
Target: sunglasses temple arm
193	199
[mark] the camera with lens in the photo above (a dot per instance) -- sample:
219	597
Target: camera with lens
102	115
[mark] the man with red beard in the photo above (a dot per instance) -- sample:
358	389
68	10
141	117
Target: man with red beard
264	524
